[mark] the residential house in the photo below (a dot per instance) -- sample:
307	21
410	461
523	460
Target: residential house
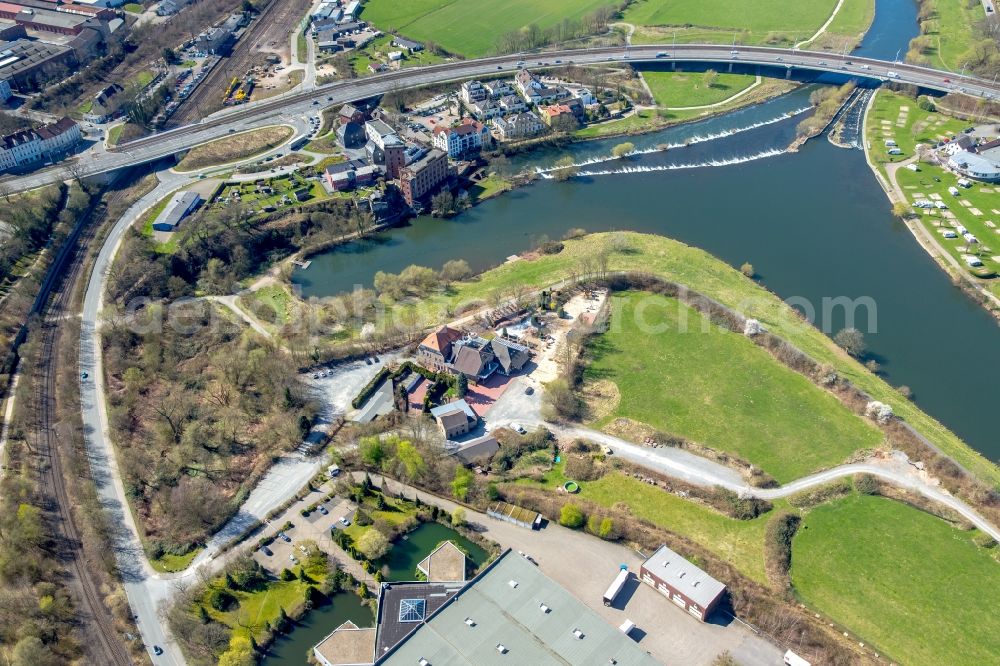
512	104
474	358
351	135
559	117
456	418
586	97
466	138
519	126
472	92
351	114
25	147
498	88
106	104
434	352
544	94
524	81
510	356
424	176
486	109
407	44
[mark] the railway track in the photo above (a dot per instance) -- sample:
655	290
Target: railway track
104	645
207	97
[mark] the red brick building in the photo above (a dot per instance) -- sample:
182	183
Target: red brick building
423	176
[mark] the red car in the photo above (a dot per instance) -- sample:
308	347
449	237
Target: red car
947	80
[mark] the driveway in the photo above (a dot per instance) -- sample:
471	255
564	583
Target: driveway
342	384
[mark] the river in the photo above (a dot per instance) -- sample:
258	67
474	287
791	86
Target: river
815	225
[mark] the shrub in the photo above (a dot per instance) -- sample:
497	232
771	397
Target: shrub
221	600
866	484
373	544
458	516
778	546
286	575
571	516
747	269
551	247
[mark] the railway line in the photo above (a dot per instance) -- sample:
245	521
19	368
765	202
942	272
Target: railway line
104	644
207	97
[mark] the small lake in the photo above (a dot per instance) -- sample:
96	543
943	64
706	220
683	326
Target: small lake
418	544
293	648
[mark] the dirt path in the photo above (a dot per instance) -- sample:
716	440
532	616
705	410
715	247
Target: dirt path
822	28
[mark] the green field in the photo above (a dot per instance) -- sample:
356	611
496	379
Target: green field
170	563
682	89
680	375
133	7
471	27
739	542
902	579
269	305
900	118
753	21
952	30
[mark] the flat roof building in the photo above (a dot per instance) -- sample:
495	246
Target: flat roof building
179	207
424	176
682	582
26	64
513	611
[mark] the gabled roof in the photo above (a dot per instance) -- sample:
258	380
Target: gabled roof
472	361
441	340
510	355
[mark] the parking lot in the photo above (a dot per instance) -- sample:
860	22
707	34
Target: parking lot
314	527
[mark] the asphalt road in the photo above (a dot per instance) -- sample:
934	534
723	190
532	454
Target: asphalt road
296	104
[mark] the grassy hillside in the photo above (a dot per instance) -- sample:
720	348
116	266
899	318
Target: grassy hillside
677	373
909	582
470	27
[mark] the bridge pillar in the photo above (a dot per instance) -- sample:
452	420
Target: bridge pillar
730	68
788	72
673	65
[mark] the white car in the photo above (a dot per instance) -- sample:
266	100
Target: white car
518	428
344	521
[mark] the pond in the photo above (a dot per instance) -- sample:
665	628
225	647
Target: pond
407	552
293	648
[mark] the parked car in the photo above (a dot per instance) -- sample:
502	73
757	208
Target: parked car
528	390
344	521
157	650
267	551
322	510
518	428
284	537
291	556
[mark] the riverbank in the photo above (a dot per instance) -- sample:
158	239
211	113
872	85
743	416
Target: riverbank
982	291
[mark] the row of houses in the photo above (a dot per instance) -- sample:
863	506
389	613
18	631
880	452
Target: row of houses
27	147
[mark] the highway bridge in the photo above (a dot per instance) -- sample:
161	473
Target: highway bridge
290	106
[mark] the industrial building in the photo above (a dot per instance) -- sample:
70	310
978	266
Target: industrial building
47	20
26	64
511	610
682	582
424	176
5	91
179	207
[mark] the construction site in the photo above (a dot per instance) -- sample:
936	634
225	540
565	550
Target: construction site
253	65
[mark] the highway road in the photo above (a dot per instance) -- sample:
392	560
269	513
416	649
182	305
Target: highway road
295	104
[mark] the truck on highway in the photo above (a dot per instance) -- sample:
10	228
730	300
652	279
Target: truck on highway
892	75
616	585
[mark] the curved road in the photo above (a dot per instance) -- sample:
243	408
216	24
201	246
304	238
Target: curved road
295	104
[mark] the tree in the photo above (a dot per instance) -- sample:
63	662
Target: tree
286	575
372	451
462	385
373	544
170	56
747	269
30	651
443	204
622	149
456	269
458	516
852	341
221	600
565	168
571	516
240	653
710	78
462	483
901	210
412	465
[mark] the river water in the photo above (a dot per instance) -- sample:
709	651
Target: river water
815	225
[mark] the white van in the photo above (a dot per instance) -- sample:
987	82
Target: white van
333	471
626	627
